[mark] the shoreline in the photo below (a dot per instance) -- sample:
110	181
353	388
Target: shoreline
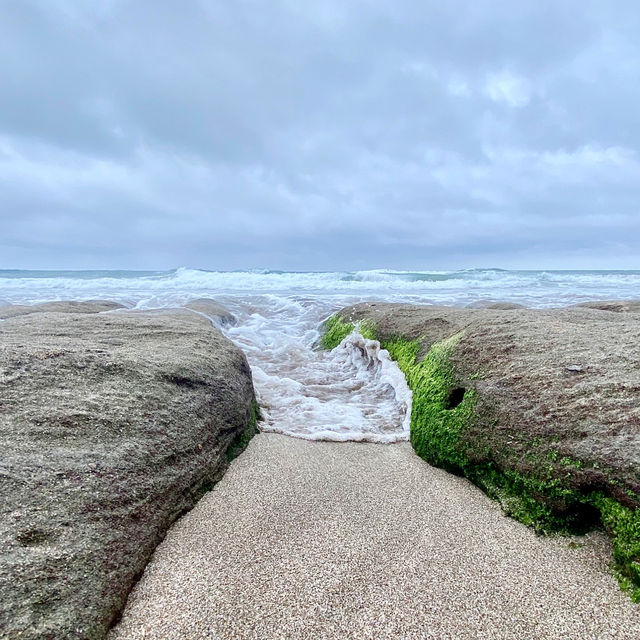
490	374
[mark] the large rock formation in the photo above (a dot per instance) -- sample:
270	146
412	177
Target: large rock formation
541	408
111	426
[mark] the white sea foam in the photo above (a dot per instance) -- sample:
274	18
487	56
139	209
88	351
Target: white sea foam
352	393
532	288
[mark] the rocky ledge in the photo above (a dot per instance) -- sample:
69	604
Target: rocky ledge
540	408
111	426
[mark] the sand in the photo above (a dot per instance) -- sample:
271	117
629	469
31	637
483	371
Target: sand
346	540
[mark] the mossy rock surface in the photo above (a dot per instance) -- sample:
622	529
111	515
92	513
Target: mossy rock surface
540	408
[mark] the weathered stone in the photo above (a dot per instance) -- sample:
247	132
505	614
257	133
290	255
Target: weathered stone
532	408
65	306
616	306
111	426
217	313
492	304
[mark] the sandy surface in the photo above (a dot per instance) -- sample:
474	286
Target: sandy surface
330	540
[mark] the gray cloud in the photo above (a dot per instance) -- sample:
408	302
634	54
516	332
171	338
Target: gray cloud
319	135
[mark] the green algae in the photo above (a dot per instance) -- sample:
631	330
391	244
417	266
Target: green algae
240	442
624	526
450	437
438	435
336	330
435	428
538	500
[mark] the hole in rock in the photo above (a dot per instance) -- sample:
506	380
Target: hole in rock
33	537
455	397
577	518
588	519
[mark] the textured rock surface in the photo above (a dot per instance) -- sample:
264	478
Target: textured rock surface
617	306
210	308
566	379
111	426
65	306
539	408
492	304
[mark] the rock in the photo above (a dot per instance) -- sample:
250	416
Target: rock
495	400
111	427
616	306
217	313
91	306
575	368
516	363
491	304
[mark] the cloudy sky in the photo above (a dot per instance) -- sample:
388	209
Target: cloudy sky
319	134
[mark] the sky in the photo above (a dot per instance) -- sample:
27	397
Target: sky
319	135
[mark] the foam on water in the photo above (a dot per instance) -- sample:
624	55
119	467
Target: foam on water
354	392
532	288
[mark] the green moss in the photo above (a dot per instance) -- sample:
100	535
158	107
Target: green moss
367	329
435	428
539	499
624	525
336	330
240	442
570	462
539	502
438	436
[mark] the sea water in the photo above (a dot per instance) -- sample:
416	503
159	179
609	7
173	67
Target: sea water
354	392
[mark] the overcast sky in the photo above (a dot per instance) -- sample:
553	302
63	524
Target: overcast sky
319	135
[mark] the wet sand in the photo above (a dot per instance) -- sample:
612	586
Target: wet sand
347	540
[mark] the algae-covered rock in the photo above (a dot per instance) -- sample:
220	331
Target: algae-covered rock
541	408
111	426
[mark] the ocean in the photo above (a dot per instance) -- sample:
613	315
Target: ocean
353	393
